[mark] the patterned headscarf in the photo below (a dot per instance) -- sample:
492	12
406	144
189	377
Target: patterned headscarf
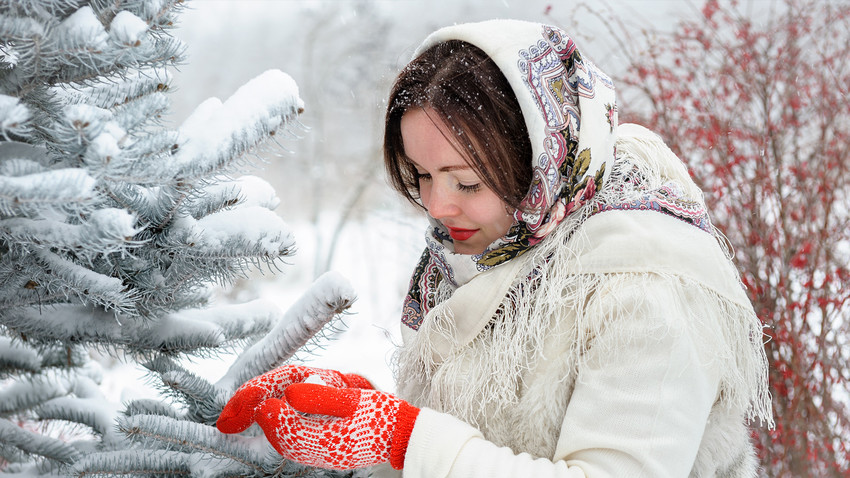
570	111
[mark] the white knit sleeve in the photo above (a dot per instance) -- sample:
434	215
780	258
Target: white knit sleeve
443	446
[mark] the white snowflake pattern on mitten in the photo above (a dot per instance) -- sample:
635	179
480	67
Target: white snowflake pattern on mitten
338	428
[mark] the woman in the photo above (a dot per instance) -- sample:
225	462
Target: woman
574	313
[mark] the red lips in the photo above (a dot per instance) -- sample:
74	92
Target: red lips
461	234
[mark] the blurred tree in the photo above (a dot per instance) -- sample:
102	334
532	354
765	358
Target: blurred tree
113	231
760	112
343	78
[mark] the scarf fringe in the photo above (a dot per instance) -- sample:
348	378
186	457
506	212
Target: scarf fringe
646	150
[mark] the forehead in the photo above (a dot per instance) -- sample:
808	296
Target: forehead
427	143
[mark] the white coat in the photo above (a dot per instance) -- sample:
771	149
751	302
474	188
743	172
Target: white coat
635	353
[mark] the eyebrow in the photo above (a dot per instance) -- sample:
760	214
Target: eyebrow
447	169
444	169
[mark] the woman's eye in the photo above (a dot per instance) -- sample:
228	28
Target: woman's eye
423	176
469	188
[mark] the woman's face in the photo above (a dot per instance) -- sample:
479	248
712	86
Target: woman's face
450	189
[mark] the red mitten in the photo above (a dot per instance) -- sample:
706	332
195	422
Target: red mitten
238	413
338	428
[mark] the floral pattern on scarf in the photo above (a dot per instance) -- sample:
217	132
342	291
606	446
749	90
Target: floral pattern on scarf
667	199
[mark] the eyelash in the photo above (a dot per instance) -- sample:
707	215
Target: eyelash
473	188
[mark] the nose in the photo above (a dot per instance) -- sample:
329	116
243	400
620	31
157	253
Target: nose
439	202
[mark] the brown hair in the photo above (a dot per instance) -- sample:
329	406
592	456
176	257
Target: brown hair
472	97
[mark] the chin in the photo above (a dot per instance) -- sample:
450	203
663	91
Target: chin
468	250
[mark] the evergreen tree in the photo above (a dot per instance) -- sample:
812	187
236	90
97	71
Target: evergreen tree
114	230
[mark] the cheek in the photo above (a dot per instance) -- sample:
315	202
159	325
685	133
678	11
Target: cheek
491	211
503	222
424	192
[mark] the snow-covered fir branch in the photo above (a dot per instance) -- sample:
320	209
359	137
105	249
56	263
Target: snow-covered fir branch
84	45
154	431
330	295
114	230
215	133
30	443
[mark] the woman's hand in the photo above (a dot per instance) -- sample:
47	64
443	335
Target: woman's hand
238	413
338	428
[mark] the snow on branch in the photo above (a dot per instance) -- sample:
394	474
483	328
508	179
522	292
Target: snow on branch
148	406
237	321
137	113
119	89
224	245
16	28
79	48
217	133
240	232
15	358
187	331
157	13
36	443
63	357
82	29
228	193
189	437
131	463
81	127
95	326
14	117
69	279
95	413
127	28
23	394
187	388
31	194
330	295
105	230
